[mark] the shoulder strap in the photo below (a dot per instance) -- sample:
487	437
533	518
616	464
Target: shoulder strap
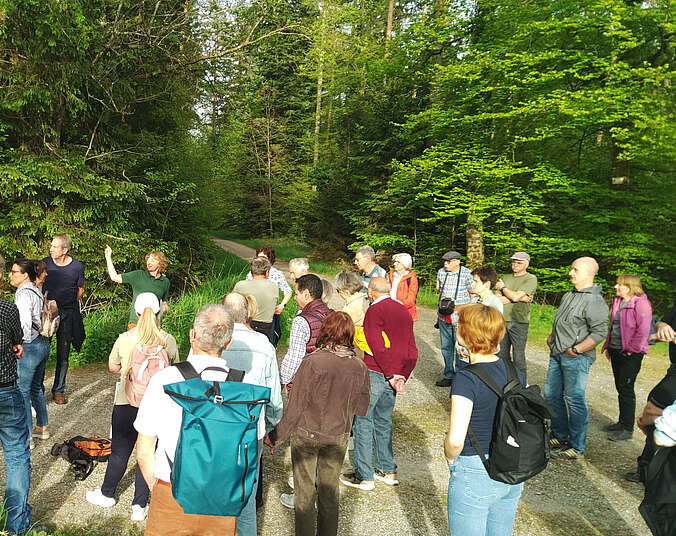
457	283
485	377
475	443
315	315
187	370
235	375
443	286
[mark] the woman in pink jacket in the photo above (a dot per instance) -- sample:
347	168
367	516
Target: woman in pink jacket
625	346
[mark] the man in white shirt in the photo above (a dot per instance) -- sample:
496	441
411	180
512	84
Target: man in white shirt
159	422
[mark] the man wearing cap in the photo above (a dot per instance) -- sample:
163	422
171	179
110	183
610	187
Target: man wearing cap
516	291
455	282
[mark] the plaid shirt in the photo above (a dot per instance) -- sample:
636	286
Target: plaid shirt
277	277
449	280
299	336
10	334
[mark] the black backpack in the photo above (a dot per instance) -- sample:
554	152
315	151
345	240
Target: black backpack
519	447
81	453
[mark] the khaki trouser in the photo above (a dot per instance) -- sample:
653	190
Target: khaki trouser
166	518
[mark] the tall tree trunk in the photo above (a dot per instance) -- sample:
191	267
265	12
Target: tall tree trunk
318	110
390	16
475	242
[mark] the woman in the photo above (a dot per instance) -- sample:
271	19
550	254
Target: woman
146	333
348	286
40	273
404	283
277	277
329	389
31	368
252	309
625	346
477	504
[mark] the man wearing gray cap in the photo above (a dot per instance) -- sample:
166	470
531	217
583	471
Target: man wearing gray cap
454	283
516	291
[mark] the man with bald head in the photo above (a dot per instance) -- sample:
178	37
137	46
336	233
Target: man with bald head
389	333
581	322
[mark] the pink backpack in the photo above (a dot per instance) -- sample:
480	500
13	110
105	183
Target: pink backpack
144	362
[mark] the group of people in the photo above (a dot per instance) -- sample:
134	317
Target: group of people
342	372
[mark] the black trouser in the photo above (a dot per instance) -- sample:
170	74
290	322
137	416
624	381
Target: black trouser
124	439
64	336
516	335
625	369
265	328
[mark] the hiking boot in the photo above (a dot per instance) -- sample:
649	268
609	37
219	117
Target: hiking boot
41	432
354	482
444	382
60	398
388	478
620	435
287	499
99	499
633	476
615	427
568	454
556	444
290	481
138	512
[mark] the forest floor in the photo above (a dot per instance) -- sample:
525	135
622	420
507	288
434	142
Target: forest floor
579	498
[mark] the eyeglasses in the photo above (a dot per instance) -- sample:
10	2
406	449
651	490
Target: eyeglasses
15	272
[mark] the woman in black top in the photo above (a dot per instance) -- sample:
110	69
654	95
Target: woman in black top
477	504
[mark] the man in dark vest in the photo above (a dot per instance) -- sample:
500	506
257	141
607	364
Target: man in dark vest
305	326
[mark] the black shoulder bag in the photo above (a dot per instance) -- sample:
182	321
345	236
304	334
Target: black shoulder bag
447	305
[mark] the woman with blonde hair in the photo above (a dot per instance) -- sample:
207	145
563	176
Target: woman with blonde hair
625	346
146	333
477	504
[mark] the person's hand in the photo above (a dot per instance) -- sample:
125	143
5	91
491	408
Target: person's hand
397	382
108	252
279	309
549	341
641	426
18	351
165	307
570	353
665	332
527	299
607	354
266	441
499	285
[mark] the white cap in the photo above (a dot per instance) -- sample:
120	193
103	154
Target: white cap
146	300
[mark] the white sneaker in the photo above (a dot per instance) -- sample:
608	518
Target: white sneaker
287	499
290	481
138	512
99	499
350	443
388	478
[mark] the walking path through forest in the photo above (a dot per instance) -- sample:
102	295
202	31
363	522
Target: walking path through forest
576	498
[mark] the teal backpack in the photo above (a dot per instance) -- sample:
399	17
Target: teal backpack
216	458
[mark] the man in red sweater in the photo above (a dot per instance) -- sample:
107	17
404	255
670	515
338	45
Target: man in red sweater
389	333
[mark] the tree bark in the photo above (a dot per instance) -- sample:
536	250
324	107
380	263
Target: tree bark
475	243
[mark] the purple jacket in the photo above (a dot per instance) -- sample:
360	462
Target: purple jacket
635	320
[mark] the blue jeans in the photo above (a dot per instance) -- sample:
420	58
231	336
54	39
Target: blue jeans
246	520
447	334
375	428
477	504
565	392
31	369
15	444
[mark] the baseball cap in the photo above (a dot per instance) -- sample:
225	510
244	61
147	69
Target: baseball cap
451	255
521	256
146	300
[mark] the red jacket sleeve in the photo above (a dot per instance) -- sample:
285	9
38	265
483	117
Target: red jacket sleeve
406	292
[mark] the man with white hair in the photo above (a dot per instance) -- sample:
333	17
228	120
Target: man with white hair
252	352
298	268
581	322
388	327
159	422
365	260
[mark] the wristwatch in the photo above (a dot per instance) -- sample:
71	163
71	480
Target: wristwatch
574	350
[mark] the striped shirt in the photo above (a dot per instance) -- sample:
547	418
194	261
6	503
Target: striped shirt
10	334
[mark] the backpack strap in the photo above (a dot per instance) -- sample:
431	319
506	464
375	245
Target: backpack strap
187	370
485	377
235	376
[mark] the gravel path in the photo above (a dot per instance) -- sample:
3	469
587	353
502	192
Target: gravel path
578	498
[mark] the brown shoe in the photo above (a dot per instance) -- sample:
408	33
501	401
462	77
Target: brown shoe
59	398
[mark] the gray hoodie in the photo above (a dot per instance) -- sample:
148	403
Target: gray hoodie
582	313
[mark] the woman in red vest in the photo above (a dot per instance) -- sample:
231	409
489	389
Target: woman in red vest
404	283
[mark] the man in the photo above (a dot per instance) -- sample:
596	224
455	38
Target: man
298	268
581	322
159	422
484	278
455	282
305	326
253	353
149	280
516	292
365	260
65	284
388	327
265	292
14	430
